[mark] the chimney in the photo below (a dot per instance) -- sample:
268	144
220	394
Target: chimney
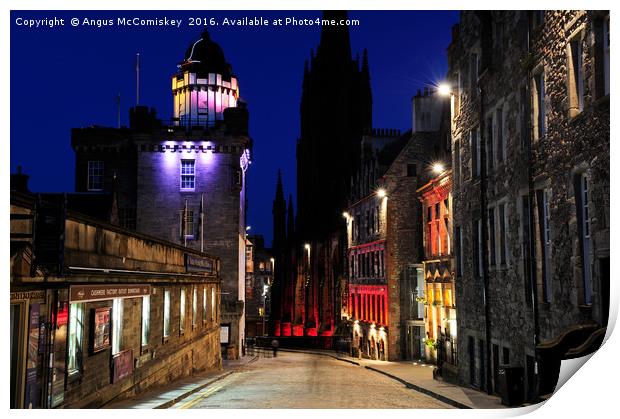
19	181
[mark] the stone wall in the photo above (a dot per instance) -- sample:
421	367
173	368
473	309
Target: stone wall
572	145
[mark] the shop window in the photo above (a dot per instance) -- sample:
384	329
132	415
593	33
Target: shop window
146	319
76	334
166	313
117	325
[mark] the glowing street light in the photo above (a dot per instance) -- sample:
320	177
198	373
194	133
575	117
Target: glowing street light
307	246
345	215
444	89
438	168
381	193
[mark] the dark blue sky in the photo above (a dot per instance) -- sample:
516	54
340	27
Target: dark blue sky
66	77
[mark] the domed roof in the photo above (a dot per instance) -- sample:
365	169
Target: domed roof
205	56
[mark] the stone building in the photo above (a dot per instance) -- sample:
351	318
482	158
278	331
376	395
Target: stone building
530	131
99	312
259	278
182	180
439	299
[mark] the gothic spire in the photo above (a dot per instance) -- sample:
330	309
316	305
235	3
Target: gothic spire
279	216
291	219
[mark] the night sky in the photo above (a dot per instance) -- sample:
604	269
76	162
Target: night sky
65	77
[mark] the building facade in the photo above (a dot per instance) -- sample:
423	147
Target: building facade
439	272
184	180
99	312
259	279
530	131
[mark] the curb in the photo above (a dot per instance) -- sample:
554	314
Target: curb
423	390
177	399
407	384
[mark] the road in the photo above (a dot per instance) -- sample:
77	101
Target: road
296	380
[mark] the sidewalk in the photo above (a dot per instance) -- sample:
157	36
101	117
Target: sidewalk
165	396
420	378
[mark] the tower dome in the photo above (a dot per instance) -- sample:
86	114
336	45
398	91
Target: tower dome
205	56
204	85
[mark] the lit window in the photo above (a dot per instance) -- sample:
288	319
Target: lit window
212	304
166	313
575	76
188	175
204	304
95	175
76	332
195	307
146	319
117	325
538	106
182	311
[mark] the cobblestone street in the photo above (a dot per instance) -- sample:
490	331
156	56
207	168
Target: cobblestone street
295	380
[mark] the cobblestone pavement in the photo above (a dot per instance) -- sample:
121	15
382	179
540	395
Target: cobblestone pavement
296	380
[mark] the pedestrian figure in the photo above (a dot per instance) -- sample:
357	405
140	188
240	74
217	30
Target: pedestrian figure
274	346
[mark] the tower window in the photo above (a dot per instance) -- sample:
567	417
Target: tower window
95	175
188	175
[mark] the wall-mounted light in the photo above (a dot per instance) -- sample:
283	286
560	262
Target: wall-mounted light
444	89
438	168
381	193
248	228
346	215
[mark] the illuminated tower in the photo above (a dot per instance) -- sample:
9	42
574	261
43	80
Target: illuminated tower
204	85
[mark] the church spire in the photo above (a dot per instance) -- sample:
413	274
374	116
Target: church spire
335	45
279	216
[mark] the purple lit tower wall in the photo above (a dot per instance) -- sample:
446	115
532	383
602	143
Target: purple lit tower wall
183	181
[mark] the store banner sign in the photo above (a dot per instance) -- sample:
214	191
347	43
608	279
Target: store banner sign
84	293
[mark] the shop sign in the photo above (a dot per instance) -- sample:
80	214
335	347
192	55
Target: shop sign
84	293
198	264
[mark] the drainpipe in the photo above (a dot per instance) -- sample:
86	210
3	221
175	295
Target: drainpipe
483	221
532	247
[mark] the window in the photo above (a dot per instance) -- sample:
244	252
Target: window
76	333
477	248
166	313
186	224
490	142
500	118
188	175
459	255
213	304
474	140
204	304
182	311
146	319
526	249
582	192
95	175
195	307
412	170
117	325
491	236
503	250
538	106
544	229
575	76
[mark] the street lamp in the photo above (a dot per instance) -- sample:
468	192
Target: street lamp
444	89
381	193
438	168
